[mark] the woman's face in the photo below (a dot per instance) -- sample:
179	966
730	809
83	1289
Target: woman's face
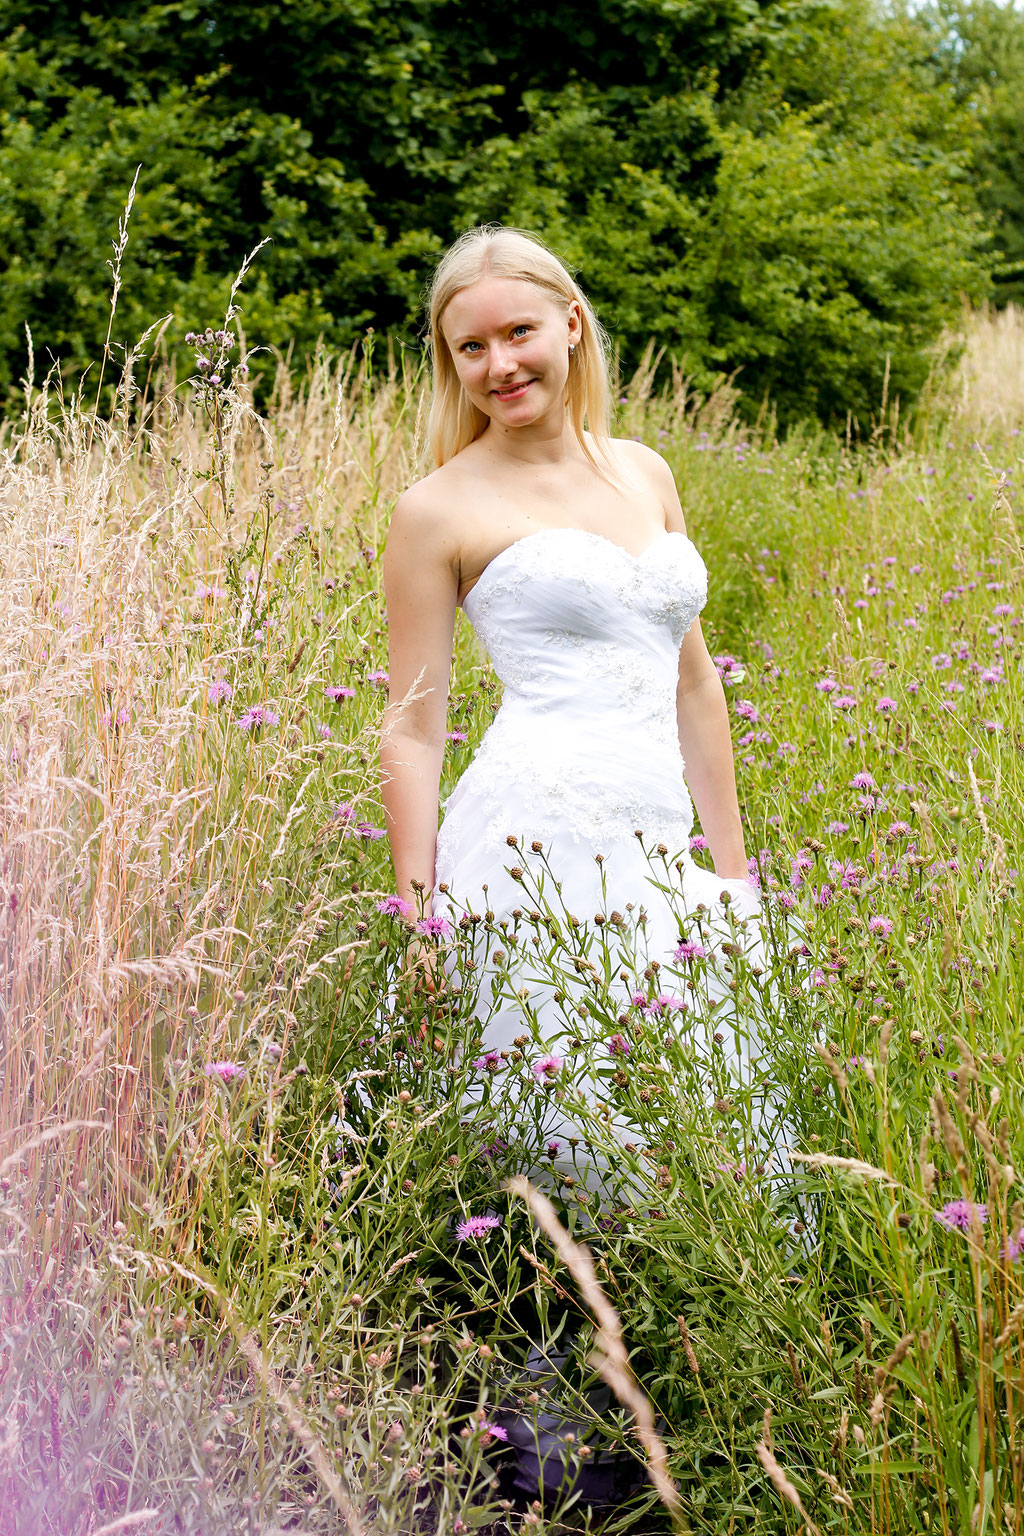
510	343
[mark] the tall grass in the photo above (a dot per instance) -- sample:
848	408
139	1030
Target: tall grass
233	1151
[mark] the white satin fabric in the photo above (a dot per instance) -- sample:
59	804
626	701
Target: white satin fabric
582	755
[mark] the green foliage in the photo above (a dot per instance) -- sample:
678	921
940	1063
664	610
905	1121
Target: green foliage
979	55
773	190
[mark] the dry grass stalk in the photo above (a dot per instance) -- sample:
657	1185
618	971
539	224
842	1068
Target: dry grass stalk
852	1165
684	1334
950	1135
127	1522
1012	1324
610	1356
779	1481
839	1493
835	1070
272	1384
989	386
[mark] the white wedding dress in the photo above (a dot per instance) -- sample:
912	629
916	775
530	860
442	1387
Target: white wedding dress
582	755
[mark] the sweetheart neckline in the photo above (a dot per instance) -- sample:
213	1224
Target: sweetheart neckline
587	533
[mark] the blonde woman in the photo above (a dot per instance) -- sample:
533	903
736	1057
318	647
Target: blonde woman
566	548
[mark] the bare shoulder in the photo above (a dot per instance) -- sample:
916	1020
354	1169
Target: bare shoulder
637	459
423	523
645	467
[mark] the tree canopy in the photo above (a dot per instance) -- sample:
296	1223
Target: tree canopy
788	190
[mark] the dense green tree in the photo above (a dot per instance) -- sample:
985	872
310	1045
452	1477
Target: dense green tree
770	186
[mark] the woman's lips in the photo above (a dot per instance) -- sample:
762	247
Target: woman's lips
513	391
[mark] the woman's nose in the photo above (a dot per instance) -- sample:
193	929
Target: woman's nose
502	361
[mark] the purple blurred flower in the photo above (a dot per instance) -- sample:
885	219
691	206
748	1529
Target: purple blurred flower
490	1061
698	844
737	1170
844	702
338	691
547	1067
959	1215
747	711
220	691
457	736
208	594
863	780
837	828
369	834
886	705
226	1071
492	1431
377	677
1014	1247
394	906
553	1148
882	925
826	685
618	1045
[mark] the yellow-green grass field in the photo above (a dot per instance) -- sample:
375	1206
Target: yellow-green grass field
233	1155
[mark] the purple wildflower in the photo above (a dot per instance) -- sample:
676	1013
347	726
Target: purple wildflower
394	906
737	1170
844	702
344	813
489	1062
492	1432
259	715
377	677
837	828
547	1067
1014	1247
207	594
688	950
881	925
458	737
698	844
618	1045
226	1071
747	711
337	691
896	830
826	685
553	1148
960	1215
434	927
940	660
369	834
863	780
220	691
476	1226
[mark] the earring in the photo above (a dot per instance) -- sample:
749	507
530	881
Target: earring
572	348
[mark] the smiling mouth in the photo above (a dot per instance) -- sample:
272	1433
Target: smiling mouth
512	391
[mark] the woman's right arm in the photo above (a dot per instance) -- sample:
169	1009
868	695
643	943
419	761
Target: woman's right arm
421	585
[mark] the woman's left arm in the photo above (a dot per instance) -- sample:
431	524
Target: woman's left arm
706	744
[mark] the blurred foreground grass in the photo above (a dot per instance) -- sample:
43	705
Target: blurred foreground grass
233	1298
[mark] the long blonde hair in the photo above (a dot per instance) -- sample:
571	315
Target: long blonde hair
499	251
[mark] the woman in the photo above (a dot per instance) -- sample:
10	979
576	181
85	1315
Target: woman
568	552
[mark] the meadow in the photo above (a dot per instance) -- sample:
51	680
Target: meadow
238	1289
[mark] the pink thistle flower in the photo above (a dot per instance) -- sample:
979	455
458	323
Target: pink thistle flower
882	925
837	828
698	844
547	1067
434	927
553	1148
207	594
226	1071
1014	1247
960	1215
220	691
378	678
344	813
458	737
688	951
747	711
863	780
886	705
618	1045
844	702
826	685
489	1062
476	1226
394	906
338	691
492	1431
258	716
737	1170
369	834
324	732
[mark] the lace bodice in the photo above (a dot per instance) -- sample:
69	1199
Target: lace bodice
585	638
